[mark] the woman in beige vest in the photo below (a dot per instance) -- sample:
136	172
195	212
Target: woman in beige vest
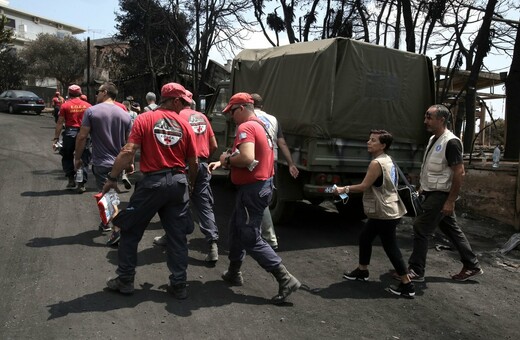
384	210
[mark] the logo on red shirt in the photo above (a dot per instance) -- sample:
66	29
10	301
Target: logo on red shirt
167	131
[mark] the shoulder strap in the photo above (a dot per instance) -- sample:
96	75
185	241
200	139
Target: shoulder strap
401	175
271	142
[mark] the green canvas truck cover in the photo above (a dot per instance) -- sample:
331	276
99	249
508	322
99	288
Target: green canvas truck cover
339	88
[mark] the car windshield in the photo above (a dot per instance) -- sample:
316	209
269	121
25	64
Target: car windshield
21	94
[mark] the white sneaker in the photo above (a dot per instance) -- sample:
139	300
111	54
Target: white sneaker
160	240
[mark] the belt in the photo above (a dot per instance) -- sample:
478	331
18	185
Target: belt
173	171
72	127
203	159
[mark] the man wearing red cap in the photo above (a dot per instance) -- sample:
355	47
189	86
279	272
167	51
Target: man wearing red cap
57	100
167	146
252	167
202	196
71	114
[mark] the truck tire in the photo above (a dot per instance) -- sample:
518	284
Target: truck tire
353	210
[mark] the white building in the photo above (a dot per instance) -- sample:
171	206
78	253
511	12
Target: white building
27	25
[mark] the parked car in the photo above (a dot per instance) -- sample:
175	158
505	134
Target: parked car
14	101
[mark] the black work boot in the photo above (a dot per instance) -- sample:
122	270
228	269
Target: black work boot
233	275
71	184
122	285
286	284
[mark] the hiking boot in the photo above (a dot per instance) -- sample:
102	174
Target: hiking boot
104	228
126	181
212	252
160	240
233	275
178	290
71	184
114	238
406	290
81	188
286	284
414	277
356	274
467	273
124	286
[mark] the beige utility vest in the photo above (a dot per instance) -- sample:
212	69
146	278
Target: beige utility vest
383	202
436	175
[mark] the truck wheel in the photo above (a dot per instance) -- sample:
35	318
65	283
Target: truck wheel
281	211
353	210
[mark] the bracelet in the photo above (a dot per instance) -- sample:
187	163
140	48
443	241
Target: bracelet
347	189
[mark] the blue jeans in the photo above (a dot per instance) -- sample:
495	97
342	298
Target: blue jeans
166	194
244	226
100	173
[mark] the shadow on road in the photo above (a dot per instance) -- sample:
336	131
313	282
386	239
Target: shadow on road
208	295
86	238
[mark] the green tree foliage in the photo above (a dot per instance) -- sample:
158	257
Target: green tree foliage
156	36
12	68
60	58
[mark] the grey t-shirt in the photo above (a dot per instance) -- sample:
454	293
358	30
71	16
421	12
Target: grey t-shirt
109	128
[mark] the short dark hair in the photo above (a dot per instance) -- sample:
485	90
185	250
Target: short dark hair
385	137
441	111
111	89
257	100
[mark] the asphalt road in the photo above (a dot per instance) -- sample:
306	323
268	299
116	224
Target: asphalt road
54	265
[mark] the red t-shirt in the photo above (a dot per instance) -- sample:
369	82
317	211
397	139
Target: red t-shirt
166	140
121	105
253	131
72	110
201	128
57	101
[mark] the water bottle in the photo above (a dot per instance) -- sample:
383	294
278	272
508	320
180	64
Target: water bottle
79	176
496	157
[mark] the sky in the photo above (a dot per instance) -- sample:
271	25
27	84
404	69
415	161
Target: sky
97	17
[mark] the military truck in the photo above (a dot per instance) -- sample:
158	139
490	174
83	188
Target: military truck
327	96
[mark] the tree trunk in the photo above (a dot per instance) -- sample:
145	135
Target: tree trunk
483	46
512	147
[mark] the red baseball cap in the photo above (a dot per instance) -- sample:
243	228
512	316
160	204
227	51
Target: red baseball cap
74	90
239	98
174	90
189	94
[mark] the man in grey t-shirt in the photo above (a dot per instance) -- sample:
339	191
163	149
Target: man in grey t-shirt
109	127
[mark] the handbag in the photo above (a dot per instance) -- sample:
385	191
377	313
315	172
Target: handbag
409	196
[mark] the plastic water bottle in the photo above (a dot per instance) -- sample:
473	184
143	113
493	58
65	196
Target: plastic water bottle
79	176
496	157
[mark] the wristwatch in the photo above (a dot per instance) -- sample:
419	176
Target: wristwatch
110	178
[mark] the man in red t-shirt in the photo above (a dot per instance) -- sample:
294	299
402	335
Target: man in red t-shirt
167	146
57	100
251	162
71	114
